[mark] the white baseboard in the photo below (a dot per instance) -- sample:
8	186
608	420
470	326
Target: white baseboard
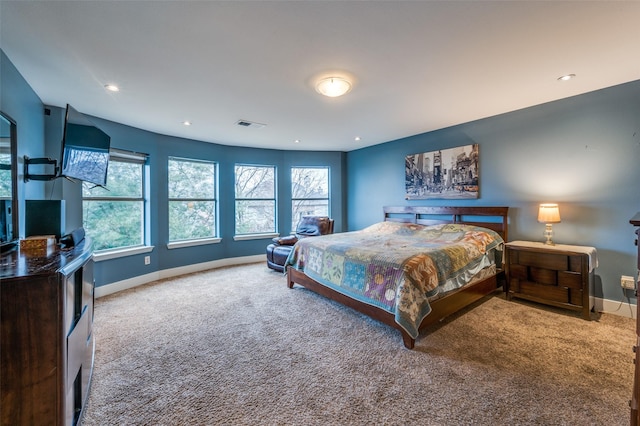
107	289
623	309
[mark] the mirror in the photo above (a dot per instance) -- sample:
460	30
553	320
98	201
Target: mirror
8	183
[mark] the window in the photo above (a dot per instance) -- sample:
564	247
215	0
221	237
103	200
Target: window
309	193
115	217
5	170
255	199
192	199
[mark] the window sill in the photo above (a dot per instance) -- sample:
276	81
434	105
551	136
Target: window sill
247	237
117	253
192	243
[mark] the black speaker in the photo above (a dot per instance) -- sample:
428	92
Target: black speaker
72	239
44	217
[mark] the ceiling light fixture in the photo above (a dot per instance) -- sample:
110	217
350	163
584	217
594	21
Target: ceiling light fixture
333	86
566	77
112	87
186	123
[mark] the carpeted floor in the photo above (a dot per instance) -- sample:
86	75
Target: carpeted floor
236	346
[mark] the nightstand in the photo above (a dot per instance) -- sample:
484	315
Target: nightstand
559	275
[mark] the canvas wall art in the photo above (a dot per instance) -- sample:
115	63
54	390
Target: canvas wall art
446	174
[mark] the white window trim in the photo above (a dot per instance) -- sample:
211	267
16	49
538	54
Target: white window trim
191	243
246	237
103	255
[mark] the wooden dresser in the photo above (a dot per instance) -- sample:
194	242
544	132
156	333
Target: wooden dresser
46	340
635	397
559	275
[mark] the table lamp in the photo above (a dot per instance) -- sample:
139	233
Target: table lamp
548	214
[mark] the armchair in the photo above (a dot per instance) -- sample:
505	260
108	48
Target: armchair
309	226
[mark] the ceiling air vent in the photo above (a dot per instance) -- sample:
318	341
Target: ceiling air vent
251	124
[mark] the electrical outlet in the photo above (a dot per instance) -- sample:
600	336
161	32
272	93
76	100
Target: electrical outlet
627	282
147	260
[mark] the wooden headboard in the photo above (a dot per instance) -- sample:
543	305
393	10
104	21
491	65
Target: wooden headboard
494	218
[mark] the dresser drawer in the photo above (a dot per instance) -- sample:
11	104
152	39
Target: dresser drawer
548	261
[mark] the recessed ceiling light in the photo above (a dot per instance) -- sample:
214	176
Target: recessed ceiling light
333	86
112	87
567	77
357	138
186	123
296	141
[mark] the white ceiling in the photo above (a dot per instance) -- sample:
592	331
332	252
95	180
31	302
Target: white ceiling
417	65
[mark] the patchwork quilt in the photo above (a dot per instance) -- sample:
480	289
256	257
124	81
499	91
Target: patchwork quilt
396	266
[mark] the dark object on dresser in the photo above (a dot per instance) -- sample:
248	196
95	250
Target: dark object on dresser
309	226
72	239
46	317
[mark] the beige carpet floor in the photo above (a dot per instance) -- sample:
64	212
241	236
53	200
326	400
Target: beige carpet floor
236	346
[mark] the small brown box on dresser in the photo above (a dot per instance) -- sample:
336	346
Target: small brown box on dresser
38	245
38	242
558	275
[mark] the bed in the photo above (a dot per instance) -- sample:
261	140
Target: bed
416	267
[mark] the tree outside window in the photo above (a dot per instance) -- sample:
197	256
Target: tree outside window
309	193
192	199
114	216
255	189
5	173
5	159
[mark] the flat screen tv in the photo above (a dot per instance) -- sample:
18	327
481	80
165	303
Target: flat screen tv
85	149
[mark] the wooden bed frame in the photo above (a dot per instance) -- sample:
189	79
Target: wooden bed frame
495	218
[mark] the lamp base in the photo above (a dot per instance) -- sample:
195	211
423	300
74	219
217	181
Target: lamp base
548	233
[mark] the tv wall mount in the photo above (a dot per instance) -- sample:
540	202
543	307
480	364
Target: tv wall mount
40	161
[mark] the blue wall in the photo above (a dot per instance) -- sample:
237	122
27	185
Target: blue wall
20	102
582	152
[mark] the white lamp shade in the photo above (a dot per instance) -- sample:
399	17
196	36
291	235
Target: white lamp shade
549	213
333	86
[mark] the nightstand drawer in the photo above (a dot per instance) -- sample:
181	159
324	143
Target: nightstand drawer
558	262
570	279
550	293
542	260
543	276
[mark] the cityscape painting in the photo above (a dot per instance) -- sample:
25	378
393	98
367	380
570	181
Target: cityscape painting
446	174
